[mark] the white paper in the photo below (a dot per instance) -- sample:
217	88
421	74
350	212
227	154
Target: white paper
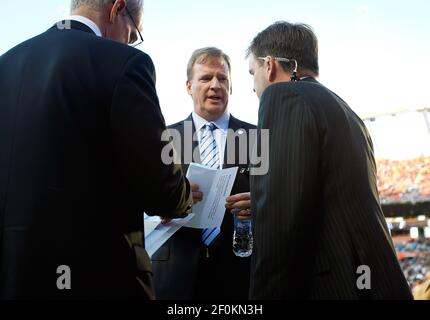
150	223
216	186
159	235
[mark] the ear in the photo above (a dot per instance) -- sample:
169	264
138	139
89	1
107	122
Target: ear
271	70
230	82
117	7
189	89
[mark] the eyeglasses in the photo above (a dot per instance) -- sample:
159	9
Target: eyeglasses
280	59
276	58
140	40
137	41
294	75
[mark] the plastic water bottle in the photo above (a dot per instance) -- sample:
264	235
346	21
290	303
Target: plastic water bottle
242	237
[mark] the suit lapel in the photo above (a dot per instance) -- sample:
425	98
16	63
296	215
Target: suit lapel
195	144
196	148
234	126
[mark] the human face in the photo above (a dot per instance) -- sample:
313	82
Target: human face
135	38
210	88
260	74
123	27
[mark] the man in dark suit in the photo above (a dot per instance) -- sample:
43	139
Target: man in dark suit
319	229
187	266
80	145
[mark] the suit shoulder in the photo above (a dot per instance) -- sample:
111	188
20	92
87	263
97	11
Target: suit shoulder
177	125
289	98
141	56
278	92
243	124
22	47
107	49
132	54
304	91
298	87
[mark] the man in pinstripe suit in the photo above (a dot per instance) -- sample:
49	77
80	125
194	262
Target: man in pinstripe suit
318	221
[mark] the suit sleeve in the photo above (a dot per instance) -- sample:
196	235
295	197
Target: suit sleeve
137	126
286	195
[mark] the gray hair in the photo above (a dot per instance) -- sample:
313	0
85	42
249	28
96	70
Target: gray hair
134	6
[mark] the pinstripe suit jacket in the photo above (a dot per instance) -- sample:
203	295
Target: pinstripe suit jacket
317	215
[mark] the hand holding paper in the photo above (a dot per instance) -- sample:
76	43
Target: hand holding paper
216	186
157	234
197	194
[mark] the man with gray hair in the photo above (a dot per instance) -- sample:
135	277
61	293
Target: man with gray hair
124	28
80	145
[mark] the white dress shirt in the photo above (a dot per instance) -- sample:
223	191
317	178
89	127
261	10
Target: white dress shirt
89	23
220	134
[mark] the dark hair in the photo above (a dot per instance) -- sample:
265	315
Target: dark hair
287	40
201	56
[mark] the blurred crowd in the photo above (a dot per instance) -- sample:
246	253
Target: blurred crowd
414	258
404	181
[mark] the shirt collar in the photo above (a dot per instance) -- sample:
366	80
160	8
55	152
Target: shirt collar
221	123
89	23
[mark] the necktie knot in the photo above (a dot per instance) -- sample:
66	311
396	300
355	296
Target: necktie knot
210	126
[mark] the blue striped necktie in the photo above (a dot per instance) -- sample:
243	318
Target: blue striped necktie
209	156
